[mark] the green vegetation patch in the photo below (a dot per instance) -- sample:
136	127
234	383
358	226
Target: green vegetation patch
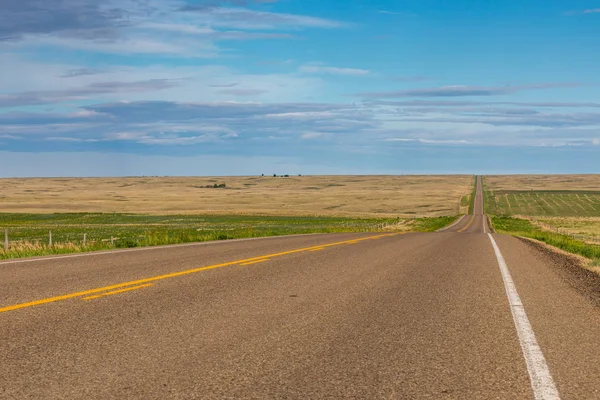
431	224
473	196
29	234
524	228
563	203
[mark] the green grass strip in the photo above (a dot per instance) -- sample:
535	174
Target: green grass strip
29	233
431	224
524	228
473	195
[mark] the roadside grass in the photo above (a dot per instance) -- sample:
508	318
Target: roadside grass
431	224
585	229
472	196
465	201
29	234
524	228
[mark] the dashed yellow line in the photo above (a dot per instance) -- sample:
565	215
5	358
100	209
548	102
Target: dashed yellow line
144	281
117	291
467	227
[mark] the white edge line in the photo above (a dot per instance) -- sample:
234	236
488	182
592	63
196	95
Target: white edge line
149	248
539	374
453	224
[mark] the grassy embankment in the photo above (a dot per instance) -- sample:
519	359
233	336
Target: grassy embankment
517	213
29	233
472	196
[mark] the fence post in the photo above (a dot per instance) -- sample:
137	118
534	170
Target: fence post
6	240
112	241
50	239
84	239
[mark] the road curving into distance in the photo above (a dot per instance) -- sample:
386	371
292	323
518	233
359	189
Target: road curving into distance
457	314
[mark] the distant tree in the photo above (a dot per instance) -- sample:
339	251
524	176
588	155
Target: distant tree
274	175
286	176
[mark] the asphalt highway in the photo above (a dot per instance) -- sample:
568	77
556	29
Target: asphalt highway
456	314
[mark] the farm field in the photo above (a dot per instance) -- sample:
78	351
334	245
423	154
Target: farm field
561	210
542	182
544	203
341	196
557	196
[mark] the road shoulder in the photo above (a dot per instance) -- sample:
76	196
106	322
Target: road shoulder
563	311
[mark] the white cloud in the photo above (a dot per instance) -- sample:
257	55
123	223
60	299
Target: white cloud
313	135
189	83
588	11
316	68
430	141
239	18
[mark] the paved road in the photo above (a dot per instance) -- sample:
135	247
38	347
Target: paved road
307	317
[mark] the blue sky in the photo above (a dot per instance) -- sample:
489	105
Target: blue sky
209	87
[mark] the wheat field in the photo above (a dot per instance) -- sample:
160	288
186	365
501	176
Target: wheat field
345	196
542	182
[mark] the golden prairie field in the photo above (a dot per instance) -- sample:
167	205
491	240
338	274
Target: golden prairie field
542	182
357	196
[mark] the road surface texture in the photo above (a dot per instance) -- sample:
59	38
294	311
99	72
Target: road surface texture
457	314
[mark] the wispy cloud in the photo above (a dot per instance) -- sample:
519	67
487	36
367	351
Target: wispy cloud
465	91
243	92
430	141
80	72
213	34
317	68
239	124
406	14
462	103
224	85
313	135
91	90
252	19
415	78
170	27
588	11
187	123
82	18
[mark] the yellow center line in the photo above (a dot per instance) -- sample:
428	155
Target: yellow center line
254	262
177	274
319	249
467	227
117	291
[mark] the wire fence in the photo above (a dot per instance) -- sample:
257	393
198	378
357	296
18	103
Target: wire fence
587	238
143	235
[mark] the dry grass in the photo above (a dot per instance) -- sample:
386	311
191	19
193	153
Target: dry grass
542	182
586	229
364	196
